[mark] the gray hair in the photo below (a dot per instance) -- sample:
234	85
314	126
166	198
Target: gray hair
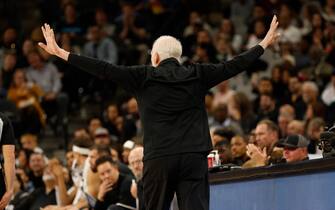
310	85
167	47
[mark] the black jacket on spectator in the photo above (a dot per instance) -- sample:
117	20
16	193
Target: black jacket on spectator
171	98
37	199
119	194
36	180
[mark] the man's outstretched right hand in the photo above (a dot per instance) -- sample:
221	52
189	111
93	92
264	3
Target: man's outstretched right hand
51	45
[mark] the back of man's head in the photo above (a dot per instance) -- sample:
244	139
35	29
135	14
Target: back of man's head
165	47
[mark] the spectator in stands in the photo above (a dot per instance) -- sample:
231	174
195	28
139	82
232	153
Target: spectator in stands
224	50
240	111
93	124
26	97
240	12
37	165
315	127
196	24
9	41
43	196
295	148
238	148
131	31
286	115
328	94
100	46
313	107
262	152
280	84
75	197
289	32
267	108
259	30
204	54
29	142
296	127
223	93
70	24
80	150
222	146
220	115
227	31
7	72
98	151
114	192
93	181
101	20
81	133
307	12
19	194
112	113
131	123
46	76
328	10
23	157
203	46
101	137
135	159
264	86
115	153
295	90
222	134
127	147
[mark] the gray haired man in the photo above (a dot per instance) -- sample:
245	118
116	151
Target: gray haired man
171	101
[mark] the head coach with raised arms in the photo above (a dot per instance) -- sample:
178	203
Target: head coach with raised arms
171	101
7	166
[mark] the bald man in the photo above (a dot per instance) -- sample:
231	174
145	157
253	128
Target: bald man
171	103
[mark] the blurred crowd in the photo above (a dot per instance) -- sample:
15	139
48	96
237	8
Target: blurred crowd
273	113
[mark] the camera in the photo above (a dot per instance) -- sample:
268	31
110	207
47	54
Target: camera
327	142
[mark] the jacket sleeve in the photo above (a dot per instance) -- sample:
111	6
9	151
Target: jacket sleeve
101	205
129	78
213	74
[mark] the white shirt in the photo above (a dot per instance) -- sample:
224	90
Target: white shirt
291	34
328	95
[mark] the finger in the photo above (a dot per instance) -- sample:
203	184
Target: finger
252	147
52	34
264	150
42	45
274	19
109	189
43	31
46	28
109	185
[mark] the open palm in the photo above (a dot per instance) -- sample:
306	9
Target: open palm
51	46
272	34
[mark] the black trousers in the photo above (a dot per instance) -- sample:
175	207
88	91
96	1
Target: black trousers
183	174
